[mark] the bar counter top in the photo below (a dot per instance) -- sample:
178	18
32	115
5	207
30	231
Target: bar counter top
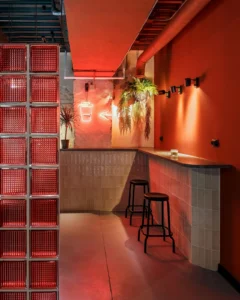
182	159
100	149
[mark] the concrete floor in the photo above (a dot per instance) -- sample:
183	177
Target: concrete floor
101	259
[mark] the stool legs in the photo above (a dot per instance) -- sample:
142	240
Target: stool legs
129	200
163	227
133	198
146	189
144	192
143	212
148	217
131	207
169	227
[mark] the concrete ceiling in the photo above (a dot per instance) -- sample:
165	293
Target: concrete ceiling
102	32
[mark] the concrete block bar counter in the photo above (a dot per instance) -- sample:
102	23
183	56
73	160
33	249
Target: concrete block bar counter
98	180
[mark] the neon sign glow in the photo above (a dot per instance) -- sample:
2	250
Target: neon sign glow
86	111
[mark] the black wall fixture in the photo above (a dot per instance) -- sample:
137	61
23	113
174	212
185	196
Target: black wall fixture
196	81
175	88
86	86
215	143
161	138
163	92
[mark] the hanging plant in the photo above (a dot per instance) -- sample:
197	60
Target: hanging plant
138	94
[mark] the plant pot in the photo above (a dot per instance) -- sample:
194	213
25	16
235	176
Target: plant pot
65	144
141	97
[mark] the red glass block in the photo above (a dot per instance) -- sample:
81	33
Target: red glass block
44	58
44	120
43	274
44	296
13	151
13	58
44	151
13	243
44	89
12	213
44	243
13	182
12	274
13	88
44	213
13	119
13	296
44	182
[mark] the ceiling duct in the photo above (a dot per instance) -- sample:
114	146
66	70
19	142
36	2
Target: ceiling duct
182	18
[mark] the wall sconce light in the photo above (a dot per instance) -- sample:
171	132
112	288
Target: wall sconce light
175	88
189	80
163	92
215	143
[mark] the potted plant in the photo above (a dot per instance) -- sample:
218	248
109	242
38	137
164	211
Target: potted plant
135	106
66	118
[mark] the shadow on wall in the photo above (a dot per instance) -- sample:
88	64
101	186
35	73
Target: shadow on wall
139	170
230	179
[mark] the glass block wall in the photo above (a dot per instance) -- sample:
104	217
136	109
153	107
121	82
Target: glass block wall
29	172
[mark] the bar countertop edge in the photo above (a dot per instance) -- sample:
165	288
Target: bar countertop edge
182	159
99	149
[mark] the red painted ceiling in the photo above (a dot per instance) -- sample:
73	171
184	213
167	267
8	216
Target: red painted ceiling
102	32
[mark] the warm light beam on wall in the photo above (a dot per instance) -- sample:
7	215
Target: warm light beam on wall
191	116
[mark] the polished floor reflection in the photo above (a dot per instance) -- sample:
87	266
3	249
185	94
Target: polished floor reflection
101	259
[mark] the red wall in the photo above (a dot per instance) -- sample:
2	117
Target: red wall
208	47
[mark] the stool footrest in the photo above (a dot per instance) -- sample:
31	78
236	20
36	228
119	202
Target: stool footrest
133	211
137	211
156	235
169	234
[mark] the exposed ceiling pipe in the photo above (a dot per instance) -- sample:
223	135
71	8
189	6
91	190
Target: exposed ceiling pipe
57	12
93	77
188	11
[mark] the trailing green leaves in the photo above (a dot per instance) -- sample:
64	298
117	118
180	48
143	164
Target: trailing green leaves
139	91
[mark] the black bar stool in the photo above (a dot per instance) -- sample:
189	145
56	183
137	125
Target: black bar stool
131	197
158	197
